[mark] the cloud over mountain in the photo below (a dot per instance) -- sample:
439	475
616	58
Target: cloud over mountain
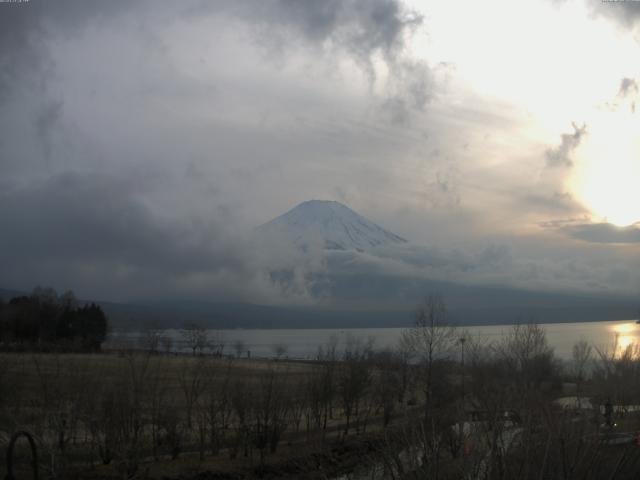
143	140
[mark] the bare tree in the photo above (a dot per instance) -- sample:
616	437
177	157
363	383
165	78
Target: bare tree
242	403
150	341
527	354
216	407
195	338
298	402
617	373
156	400
192	378
217	343
581	354
387	384
239	347
432	338
167	343
325	390
64	384
117	418
354	378
280	350
270	411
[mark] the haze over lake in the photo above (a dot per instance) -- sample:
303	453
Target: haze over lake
304	343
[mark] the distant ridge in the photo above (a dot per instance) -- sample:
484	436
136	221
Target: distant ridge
330	225
482	309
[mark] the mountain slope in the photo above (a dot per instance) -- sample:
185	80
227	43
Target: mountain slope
329	225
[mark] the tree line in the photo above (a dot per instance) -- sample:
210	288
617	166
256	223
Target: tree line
44	320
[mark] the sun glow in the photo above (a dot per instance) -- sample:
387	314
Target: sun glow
626	338
608	168
534	71
624	342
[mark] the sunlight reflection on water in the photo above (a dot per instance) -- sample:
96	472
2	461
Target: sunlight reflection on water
626	336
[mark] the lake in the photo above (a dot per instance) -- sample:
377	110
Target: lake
304	343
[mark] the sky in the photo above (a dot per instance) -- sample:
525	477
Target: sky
142	141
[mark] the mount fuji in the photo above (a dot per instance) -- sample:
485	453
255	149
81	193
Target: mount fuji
329	225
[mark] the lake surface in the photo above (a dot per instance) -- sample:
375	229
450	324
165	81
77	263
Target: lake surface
304	343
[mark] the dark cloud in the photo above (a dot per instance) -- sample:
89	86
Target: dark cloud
28	31
362	29
561	155
45	124
564	222
628	86
99	222
629	91
25	28
603	233
626	13
412	90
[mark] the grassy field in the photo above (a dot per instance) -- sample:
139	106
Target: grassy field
126	415
119	415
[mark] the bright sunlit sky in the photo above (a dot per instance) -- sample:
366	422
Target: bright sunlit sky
142	140
554	62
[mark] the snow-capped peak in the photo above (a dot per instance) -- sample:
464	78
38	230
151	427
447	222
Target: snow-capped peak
330	225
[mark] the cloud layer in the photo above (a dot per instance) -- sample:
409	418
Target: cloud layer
142	141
